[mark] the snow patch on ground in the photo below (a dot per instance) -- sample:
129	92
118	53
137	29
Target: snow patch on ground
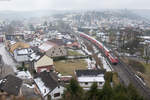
27	85
95	49
104	62
84	48
91	64
24	75
81	52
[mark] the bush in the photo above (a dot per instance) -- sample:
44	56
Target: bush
22	68
115	79
108	76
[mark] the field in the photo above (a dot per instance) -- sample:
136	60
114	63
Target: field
67	67
73	53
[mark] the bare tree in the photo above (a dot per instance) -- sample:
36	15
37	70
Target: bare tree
147	53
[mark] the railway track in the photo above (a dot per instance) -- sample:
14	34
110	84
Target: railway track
143	89
127	75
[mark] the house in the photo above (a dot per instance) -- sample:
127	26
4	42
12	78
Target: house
19	50
48	86
8	44
73	45
15	37
58	42
65	79
1	38
35	55
52	49
17	45
46	46
45	63
24	75
11	85
57	51
22	54
87	77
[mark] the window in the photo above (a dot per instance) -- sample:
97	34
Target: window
86	83
100	82
56	94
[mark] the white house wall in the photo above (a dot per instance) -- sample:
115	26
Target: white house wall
20	58
84	85
60	90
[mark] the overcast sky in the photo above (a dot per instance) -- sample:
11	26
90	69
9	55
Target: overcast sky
72	4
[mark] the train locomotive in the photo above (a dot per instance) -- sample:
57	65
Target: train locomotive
112	58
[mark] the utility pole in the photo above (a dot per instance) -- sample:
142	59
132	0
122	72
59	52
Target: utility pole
147	53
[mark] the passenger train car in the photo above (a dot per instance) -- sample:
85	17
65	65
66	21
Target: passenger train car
112	58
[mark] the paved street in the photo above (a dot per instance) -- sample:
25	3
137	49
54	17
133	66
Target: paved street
10	68
7	57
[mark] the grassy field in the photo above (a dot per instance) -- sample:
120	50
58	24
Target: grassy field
68	67
146	75
74	53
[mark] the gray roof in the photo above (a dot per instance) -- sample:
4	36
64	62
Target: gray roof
48	79
89	72
11	84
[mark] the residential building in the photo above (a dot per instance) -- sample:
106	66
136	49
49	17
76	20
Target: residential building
17	45
45	63
22	55
11	85
58	42
57	51
18	37
46	46
73	45
87	77
48	86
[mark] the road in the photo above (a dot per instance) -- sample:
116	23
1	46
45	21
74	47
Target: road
8	60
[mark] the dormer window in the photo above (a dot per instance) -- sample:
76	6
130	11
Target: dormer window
86	83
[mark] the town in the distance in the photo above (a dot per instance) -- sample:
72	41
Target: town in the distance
74	55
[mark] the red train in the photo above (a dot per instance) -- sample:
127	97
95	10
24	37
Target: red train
113	59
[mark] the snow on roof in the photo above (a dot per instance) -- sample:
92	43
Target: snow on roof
43	89
69	42
67	36
59	33
34	57
147	41
101	33
23	51
12	42
145	37
24	75
60	36
45	46
91	79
